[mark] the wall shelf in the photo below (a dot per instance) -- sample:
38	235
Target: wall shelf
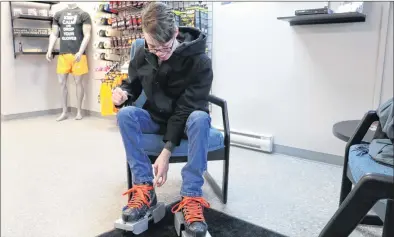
333	18
30	17
47	2
35	53
31	36
48	19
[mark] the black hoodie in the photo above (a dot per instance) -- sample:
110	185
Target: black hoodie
176	88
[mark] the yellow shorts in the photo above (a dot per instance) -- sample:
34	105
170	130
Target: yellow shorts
66	64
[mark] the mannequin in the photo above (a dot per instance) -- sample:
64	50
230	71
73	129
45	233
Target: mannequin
75	27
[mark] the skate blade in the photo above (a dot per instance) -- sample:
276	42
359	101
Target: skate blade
155	213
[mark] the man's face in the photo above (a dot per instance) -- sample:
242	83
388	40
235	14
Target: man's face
162	51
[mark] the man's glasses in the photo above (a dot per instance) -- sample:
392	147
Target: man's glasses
162	50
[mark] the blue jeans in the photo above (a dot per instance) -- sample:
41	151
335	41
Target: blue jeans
134	122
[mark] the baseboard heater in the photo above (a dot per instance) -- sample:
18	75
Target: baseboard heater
251	141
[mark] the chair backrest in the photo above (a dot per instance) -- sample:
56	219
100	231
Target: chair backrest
385	113
138	43
382	149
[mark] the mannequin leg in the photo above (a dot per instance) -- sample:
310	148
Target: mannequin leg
64	94
80	95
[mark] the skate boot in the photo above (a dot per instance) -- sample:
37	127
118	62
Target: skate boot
192	209
143	197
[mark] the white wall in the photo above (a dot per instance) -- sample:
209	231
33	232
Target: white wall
28	83
294	82
387	85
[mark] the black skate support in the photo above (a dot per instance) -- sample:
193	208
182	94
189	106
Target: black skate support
179	223
154	214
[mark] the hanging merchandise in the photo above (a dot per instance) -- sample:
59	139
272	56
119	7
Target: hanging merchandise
102	44
118	28
111	79
108	32
106	8
107	106
103	20
118	25
112	57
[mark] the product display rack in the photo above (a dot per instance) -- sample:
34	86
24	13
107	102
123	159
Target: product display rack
30	35
117	29
118	25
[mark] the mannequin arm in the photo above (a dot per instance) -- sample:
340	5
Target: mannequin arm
86	28
52	41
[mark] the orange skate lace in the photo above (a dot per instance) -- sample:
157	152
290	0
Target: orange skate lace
192	208
140	196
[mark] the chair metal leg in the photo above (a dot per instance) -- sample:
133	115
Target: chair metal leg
388	228
352	210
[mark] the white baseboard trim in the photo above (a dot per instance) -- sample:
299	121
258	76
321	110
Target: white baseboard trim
30	114
33	114
309	155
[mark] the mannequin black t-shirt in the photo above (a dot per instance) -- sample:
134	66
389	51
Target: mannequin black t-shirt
70	22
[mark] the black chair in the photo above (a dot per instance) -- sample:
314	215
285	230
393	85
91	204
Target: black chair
373	183
219	149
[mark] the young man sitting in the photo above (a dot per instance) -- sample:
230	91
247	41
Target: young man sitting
176	75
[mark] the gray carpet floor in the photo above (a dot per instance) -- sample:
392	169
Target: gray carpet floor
66	179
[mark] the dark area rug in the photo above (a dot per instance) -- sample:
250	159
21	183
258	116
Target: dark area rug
220	225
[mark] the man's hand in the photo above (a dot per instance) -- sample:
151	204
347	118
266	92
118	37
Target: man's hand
161	168
119	96
77	57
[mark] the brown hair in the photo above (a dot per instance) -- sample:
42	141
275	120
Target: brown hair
158	21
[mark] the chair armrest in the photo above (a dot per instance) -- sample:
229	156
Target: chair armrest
384	183
216	100
226	127
362	129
